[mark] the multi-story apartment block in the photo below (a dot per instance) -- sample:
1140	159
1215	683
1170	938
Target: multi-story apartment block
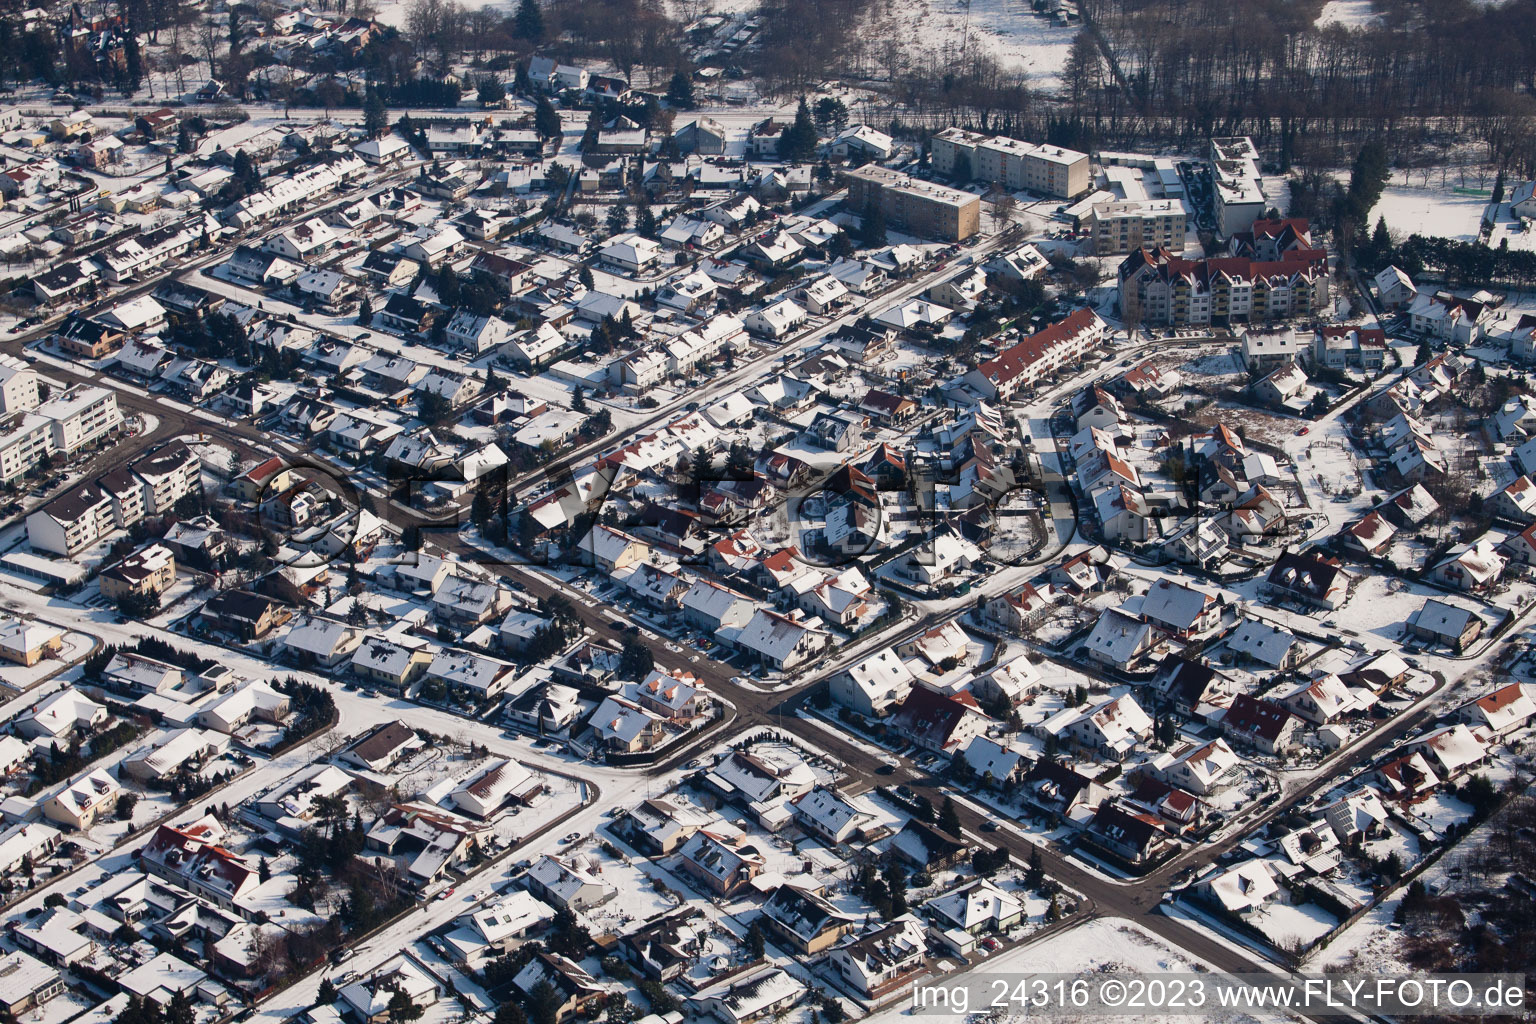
1127	225
1159	287
1042	353
168	475
917	207
68	525
61	426
80	416
18	386
1239	188
23	443
1049	170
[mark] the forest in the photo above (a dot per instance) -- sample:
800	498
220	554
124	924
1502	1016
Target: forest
1423	72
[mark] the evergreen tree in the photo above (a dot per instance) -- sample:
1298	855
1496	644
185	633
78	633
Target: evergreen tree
949	818
756	944
1369	175
579	399
402	1009
327	993
509	1013
365	311
1034	877
375	114
645	221
528	24
1381	239
546	120
1424	354
544	1004
179	1009
831	115
635	660
872	228
680	90
798	143
263	871
491	92
245	171
618	218
183	139
133	59
585	277
446	284
1498	187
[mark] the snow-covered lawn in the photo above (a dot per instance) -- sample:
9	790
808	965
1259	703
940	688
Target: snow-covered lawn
1287	926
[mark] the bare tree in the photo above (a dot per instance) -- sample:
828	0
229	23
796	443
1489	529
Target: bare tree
1002	204
209	36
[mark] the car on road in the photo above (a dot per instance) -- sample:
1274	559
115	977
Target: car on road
1303	432
571	838
446	893
990	825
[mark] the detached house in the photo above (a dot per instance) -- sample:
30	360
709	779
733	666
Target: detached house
1313	579
828	815
942	723
723	863
804	921
1179	610
1260	723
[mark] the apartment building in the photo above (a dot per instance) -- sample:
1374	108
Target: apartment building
1042	353
69	524
80	416
18	386
1127	225
167	475
60	426
1161	288
1239	188
916	207
23	443
1049	170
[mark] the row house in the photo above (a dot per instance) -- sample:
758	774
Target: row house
1043	353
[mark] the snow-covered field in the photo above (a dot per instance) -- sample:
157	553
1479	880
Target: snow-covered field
1017	39
1435	210
1348	13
